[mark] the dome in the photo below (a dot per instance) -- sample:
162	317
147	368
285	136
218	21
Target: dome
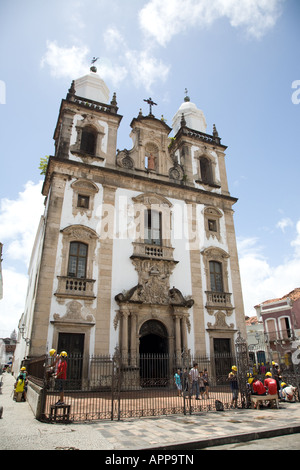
193	116
91	86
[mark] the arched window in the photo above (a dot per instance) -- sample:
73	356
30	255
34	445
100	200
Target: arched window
88	141
153	224
206	170
77	260
216	277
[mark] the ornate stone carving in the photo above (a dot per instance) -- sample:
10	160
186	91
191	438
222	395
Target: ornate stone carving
74	314
124	160
176	172
220	322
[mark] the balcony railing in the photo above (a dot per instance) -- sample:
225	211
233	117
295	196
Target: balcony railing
70	287
280	335
144	250
218	299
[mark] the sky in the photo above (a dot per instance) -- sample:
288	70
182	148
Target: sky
239	60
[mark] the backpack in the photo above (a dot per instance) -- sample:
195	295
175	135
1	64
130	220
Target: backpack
219	405
20	386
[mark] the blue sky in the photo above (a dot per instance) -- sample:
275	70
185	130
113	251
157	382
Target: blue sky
239	60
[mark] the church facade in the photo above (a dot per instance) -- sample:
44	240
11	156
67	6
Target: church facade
137	248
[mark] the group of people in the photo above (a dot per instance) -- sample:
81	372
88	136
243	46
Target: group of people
272	385
196	381
56	370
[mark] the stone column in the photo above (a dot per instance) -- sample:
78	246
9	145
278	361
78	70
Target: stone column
133	345
177	336
124	346
184	332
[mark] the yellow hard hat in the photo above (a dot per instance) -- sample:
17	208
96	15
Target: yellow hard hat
23	368
250	380
234	368
64	354
52	351
269	374
283	384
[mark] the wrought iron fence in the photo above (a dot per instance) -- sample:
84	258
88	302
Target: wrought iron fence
116	387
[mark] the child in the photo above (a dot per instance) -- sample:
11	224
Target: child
177	380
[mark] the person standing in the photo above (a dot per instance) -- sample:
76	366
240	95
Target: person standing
194	378
61	376
232	377
206	383
177	380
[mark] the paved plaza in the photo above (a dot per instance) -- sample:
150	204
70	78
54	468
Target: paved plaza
21	431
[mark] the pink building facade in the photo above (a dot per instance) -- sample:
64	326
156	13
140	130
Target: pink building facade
281	321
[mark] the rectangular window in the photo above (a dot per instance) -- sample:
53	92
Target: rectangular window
77	260
216	278
153	234
212	225
83	201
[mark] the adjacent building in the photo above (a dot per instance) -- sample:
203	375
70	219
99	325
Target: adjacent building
281	321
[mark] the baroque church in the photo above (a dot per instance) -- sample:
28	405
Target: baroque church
136	249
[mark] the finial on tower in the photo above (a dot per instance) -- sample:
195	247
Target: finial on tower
186	98
93	68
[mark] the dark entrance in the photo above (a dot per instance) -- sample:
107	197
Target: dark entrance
154	360
73	344
223	358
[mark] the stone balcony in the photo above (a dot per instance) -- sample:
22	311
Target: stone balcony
144	250
72	287
218	300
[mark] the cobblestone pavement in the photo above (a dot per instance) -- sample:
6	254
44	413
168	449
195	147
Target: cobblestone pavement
20	430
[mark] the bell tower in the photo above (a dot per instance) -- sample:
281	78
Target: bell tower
87	124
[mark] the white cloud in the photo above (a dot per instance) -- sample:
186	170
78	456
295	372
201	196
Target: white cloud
113	39
141	66
260	279
66	62
145	69
284	223
163	20
13	303
19	221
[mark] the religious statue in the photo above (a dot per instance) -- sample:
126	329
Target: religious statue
151	162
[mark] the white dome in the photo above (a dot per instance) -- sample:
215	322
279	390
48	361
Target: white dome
193	116
92	87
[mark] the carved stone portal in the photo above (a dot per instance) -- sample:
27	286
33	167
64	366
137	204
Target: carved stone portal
154	285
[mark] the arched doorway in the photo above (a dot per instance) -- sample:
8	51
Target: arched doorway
153	349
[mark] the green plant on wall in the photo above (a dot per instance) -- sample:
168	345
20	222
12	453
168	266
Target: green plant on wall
43	164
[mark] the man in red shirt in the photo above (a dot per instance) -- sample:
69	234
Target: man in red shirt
270	384
61	376
258	388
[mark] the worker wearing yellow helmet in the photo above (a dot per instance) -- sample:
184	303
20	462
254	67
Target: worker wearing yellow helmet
61	376
233	385
270	384
51	366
